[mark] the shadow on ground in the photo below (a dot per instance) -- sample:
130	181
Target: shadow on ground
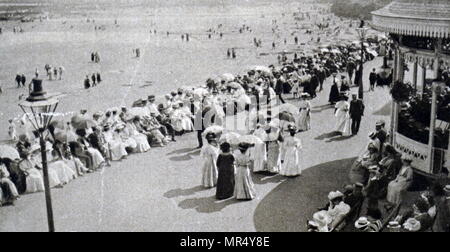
384	111
207	204
288	207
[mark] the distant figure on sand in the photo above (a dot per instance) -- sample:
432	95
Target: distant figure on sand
87	83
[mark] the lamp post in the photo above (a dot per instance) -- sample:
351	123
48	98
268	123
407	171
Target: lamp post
362	35
39	109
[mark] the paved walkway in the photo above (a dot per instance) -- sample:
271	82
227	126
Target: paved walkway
159	190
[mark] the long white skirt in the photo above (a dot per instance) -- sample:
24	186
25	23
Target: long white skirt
344	124
259	155
34	181
244	187
117	150
141	143
209	173
291	165
64	172
97	158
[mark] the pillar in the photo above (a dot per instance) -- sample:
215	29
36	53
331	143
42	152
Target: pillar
394	106
415	75
435	89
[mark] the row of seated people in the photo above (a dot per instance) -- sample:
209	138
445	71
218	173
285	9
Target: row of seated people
75	152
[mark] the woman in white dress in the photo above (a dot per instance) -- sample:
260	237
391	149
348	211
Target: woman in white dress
210	153
304	117
142	144
117	149
273	146
61	168
291	146
34	177
244	187
343	123
398	187
95	155
259	152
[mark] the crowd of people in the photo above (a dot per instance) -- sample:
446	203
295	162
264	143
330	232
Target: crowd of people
375	200
88	143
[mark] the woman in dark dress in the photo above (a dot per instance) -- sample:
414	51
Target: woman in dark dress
225	166
334	91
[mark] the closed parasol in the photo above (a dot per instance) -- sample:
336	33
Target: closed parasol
7	151
82	122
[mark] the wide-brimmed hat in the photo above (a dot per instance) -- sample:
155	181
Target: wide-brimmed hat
362	223
447	188
412	225
245	146
211	136
380	123
335	195
305	95
406	158
393	224
372	135
321	219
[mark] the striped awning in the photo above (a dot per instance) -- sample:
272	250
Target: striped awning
422	18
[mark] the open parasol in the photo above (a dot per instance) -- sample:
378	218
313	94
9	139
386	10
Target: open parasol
227	77
232	138
251	139
7	151
286	116
82	122
213	129
287	107
57	124
138	111
65	137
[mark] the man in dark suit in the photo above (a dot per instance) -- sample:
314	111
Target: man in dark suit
373	77
356	113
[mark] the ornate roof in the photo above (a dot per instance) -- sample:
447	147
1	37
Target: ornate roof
424	18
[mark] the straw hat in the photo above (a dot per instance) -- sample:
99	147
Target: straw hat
321	219
393	225
362	223
412	225
335	195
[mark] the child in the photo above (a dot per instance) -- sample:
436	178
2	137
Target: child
12	131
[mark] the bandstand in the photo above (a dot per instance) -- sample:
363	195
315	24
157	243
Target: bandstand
420	31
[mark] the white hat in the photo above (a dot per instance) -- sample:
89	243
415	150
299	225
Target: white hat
362	223
321	219
412	225
334	195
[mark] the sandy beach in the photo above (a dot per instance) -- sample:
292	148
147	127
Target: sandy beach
166	62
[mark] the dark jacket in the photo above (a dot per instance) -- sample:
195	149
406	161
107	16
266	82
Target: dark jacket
373	77
356	108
